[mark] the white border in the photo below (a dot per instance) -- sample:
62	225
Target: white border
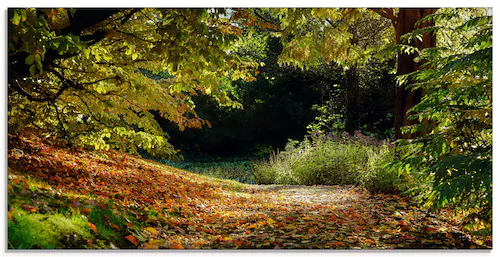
240	3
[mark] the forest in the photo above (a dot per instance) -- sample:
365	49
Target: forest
249	128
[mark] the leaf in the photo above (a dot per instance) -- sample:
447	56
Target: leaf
150	245
271	221
238	242
253	225
86	52
93	227
132	239
87	211
338	244
32	70
16	18
151	230
29	60
176	246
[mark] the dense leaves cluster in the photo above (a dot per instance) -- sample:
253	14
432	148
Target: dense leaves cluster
122	201
452	161
82	75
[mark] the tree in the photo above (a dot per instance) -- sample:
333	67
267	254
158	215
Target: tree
452	163
351	37
85	74
406	21
348	37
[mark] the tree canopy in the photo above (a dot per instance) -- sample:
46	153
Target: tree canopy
85	74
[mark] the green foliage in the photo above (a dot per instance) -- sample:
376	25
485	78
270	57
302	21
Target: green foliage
46	231
331	160
90	83
452	163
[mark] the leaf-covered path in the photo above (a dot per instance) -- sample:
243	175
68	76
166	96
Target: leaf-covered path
144	204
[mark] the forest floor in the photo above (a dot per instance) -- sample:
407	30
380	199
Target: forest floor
130	202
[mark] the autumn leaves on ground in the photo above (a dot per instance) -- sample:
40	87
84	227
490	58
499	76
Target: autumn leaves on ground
114	200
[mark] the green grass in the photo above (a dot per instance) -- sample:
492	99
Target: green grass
328	161
237	169
46	231
41	218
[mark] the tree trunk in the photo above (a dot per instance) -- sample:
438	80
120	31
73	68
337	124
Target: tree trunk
352	101
405	98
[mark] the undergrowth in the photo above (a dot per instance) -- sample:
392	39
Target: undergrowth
332	160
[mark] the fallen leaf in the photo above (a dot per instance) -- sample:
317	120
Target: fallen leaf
149	246
253	225
87	211
93	227
152	231
238	242
176	246
271	221
338	244
132	239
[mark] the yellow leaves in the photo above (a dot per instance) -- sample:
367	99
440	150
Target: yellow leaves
270	221
152	231
252	225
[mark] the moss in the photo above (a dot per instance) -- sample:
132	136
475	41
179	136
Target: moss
47	231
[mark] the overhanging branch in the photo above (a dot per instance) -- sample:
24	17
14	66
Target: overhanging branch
386	13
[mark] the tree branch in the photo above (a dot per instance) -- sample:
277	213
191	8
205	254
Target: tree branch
386	13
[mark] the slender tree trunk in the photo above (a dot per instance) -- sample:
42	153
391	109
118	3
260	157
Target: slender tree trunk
405	98
352	116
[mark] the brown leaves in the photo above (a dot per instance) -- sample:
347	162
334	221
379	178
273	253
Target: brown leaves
177	210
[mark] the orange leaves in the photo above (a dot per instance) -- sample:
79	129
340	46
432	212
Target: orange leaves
178	210
93	227
131	239
176	246
238	242
252	225
337	244
87	211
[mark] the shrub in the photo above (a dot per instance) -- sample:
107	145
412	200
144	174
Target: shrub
332	160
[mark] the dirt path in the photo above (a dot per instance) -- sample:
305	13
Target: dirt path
285	216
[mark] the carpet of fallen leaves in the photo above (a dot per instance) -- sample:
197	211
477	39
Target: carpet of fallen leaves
194	211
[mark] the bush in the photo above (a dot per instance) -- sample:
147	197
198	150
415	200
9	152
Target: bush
332	160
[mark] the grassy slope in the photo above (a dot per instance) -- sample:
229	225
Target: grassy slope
71	198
